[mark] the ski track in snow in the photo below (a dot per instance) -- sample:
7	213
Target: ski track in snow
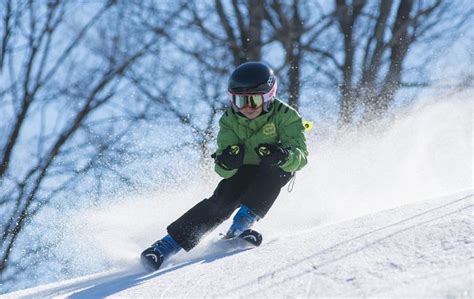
422	249
350	247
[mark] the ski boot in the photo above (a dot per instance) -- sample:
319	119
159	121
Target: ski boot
243	221
154	256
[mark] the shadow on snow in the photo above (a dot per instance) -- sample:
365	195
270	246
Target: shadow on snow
119	281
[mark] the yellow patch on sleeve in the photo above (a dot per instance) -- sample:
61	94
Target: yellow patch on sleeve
308	125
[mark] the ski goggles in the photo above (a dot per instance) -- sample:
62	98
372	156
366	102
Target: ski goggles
252	100
241	100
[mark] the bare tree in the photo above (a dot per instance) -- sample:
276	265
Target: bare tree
52	105
375	39
244	39
212	38
160	78
8	19
227	33
245	28
295	25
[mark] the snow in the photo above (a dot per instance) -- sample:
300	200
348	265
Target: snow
374	214
423	249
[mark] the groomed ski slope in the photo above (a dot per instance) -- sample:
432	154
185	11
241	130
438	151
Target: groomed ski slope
423	249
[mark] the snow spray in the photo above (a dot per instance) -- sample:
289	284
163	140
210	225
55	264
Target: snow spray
426	152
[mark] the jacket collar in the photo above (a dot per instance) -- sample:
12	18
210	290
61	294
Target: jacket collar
257	123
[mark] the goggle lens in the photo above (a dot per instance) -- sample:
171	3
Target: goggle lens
254	101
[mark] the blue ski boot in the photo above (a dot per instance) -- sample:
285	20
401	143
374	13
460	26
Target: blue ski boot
156	254
243	221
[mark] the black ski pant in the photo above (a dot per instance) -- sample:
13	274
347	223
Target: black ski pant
255	186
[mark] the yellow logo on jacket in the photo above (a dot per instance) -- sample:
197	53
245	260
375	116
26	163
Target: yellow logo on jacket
269	129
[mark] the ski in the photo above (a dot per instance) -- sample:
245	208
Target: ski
250	236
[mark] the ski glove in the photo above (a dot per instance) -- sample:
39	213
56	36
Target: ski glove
271	154
231	158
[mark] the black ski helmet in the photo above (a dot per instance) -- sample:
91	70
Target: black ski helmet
253	78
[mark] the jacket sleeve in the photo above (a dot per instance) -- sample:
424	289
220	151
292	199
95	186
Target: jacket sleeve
225	137
291	132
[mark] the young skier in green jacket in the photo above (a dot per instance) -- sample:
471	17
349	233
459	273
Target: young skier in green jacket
260	145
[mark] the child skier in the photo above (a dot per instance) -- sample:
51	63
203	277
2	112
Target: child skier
260	145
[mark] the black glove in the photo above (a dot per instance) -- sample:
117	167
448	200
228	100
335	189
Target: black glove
272	154
231	158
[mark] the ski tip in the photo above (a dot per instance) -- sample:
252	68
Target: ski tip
251	236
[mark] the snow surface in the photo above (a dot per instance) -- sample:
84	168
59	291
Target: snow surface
423	249
383	213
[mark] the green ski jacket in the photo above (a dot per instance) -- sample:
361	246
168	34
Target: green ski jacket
280	125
